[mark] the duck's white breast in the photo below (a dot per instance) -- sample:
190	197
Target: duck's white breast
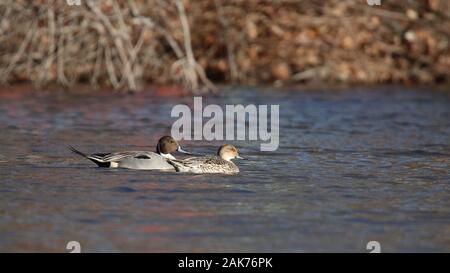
152	161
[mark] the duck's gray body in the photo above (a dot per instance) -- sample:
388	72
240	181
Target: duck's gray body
137	160
209	164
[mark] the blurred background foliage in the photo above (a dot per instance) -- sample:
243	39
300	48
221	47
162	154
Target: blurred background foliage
127	44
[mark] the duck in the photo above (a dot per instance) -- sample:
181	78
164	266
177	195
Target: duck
138	160
210	164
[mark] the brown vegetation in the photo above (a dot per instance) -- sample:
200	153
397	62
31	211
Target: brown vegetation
125	43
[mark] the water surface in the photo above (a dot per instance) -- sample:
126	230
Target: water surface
353	166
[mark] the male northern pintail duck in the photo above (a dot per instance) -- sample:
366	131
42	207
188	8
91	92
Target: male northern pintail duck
138	160
210	164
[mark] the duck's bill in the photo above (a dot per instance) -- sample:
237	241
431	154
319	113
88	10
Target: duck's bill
240	157
180	150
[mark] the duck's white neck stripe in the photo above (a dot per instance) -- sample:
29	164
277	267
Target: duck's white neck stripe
158	149
168	156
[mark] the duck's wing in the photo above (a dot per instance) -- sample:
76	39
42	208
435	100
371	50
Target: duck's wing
118	156
210	164
194	161
106	159
218	165
187	164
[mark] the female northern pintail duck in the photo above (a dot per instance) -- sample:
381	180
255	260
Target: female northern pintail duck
138	160
210	164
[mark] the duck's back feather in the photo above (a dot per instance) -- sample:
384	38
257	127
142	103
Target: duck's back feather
139	160
210	164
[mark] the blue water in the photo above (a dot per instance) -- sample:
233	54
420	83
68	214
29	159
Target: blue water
352	167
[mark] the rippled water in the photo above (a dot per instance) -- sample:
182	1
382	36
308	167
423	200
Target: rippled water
353	166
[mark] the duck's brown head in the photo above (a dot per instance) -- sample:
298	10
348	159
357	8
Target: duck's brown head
228	152
167	145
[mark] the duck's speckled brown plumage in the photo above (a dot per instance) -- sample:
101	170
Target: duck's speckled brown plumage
207	164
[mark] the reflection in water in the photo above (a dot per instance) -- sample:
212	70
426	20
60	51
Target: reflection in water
352	167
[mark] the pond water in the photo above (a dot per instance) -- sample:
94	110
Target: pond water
352	167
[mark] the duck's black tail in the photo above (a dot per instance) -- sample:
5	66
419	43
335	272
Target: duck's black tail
77	152
97	160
